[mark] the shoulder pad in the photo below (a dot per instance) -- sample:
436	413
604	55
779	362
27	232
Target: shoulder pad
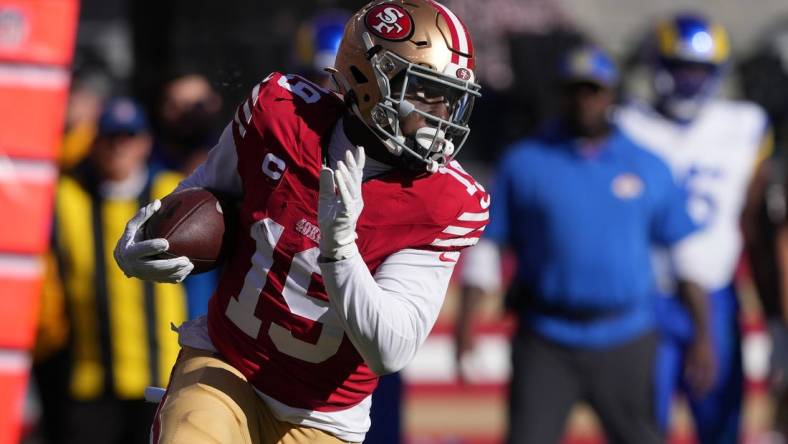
288	97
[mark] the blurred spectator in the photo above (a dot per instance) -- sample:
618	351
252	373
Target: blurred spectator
580	205
104	38
316	44
188	122
119	342
715	149
187	129
519	95
88	92
492	23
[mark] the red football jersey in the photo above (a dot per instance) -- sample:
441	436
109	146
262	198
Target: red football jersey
270	317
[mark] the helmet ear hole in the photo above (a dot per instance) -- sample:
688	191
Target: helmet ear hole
358	76
367	97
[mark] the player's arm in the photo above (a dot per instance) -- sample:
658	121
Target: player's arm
757	188
480	276
136	256
700	368
782	264
389	315
673	228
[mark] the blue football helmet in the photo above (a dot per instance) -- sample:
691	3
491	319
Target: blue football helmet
317	42
690	57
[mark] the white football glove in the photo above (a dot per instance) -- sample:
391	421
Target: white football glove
133	254
340	205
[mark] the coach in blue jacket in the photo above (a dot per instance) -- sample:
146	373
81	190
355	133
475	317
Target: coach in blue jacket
580	205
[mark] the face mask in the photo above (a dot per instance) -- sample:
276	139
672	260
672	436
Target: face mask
193	129
683	87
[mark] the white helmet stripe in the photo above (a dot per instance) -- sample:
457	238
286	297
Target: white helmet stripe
459	34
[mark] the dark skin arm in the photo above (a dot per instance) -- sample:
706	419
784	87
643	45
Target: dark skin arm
470	296
755	194
700	369
782	261
749	222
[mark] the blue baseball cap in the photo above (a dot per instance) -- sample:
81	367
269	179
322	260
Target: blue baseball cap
122	115
589	64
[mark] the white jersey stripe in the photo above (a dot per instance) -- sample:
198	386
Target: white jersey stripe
237	120
255	94
457	242
458	231
474	217
469	187
247	112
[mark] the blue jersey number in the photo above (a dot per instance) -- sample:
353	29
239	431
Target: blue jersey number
699	183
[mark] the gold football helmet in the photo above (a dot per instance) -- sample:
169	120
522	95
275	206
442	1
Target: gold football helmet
396	55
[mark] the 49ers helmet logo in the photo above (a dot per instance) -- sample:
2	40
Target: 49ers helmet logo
463	74
390	22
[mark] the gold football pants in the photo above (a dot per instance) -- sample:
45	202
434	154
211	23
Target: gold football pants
210	402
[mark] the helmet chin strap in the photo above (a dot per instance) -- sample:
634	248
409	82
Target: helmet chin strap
428	138
433	141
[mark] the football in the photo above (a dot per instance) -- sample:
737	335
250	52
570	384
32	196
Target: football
194	223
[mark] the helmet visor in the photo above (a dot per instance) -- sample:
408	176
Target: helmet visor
436	96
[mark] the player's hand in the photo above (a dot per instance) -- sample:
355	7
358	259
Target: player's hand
340	205
700	370
135	256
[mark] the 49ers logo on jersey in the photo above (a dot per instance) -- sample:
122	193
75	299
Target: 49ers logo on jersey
390	22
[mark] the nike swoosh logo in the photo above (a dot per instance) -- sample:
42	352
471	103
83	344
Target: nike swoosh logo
443	257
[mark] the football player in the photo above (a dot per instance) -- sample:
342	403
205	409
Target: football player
345	253
714	147
316	45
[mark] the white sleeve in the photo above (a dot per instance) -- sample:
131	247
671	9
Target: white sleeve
481	266
220	169
387	317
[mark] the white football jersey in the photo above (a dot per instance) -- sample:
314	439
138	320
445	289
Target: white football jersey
713	159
